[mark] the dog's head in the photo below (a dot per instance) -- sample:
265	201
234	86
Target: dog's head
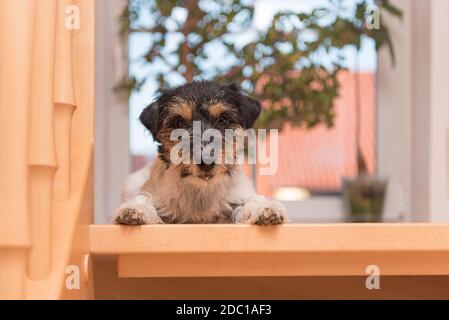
207	103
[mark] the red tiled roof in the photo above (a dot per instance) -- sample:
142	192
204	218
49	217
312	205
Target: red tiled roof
317	158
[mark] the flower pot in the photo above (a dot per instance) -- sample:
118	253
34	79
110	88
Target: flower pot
364	198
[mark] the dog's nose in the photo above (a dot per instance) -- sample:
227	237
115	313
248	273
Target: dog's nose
206	167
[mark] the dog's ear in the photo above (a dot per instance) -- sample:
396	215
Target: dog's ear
151	115
149	118
250	108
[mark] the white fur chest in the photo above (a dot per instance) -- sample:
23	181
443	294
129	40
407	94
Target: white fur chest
180	201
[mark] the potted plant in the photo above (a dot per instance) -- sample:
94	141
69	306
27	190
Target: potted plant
363	195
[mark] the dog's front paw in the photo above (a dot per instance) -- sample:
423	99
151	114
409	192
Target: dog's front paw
270	216
130	217
261	212
136	213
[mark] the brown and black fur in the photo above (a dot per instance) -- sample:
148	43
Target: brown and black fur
196	193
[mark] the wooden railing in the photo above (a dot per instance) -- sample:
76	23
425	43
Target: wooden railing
319	250
46	145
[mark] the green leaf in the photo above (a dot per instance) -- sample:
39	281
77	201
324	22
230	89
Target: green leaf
287	71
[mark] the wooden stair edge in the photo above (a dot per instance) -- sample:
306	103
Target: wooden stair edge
288	250
111	239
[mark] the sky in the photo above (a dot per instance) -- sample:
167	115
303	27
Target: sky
141	142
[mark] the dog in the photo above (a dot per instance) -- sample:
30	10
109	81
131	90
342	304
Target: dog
203	192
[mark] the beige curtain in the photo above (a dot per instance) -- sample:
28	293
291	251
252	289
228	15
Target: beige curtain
46	138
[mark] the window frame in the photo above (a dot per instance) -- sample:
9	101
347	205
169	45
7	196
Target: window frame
395	88
112	160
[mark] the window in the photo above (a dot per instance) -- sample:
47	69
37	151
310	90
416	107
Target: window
311	161
400	132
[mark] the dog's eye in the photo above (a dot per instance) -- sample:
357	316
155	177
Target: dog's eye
178	123
223	121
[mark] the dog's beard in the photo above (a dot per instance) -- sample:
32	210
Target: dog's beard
219	160
193	174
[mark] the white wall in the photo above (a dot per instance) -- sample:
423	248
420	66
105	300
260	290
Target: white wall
395	114
439	112
112	160
414	112
420	103
419	88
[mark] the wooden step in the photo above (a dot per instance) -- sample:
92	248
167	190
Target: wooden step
288	250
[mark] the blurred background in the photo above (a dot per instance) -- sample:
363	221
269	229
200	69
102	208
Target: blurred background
354	86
